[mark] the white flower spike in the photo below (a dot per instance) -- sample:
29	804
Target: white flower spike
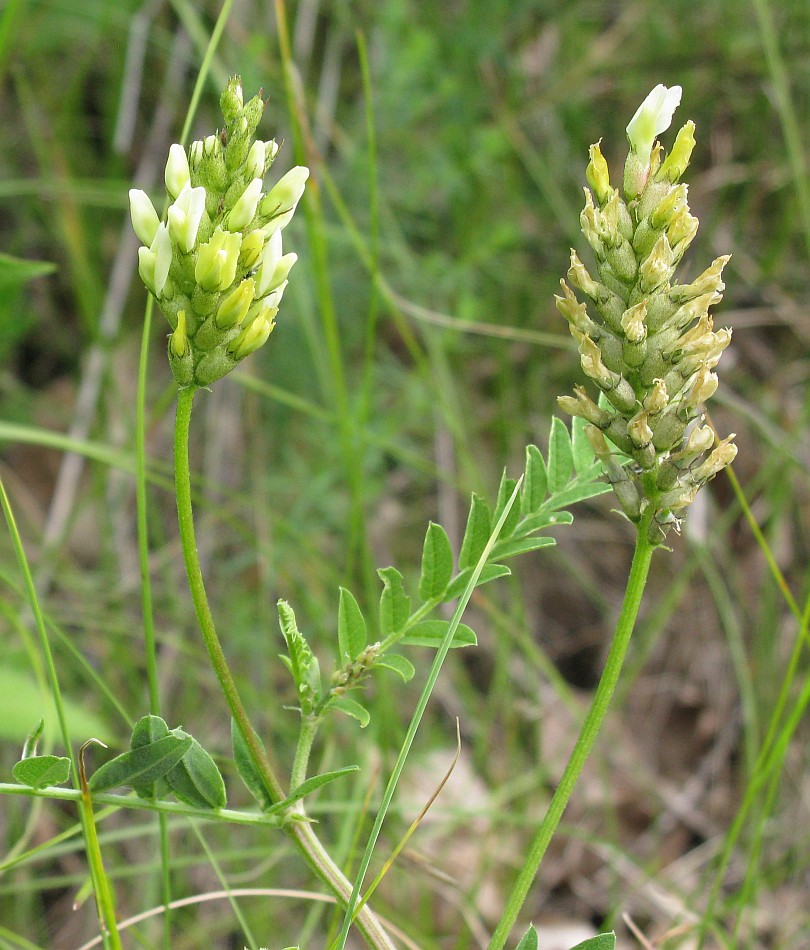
653	117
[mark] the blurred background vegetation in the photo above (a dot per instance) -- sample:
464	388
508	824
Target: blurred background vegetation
450	186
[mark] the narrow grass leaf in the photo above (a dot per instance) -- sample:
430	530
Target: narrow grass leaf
476	534
195	780
352	708
490	572
399	664
437	563
521	546
560	456
140	766
395	604
246	768
430	633
535	481
39	771
352	637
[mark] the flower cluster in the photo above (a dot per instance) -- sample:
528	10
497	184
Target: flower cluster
215	265
652	347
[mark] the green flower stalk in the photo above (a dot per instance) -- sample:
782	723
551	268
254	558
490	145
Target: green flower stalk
215	265
650	347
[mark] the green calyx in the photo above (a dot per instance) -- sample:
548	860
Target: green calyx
216	261
647	343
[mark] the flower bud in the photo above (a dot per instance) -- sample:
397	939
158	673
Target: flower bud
278	277
657	398
579	277
235	306
674	202
652	117
703	387
710	281
633	322
251	338
245	208
592	365
184	217
279	204
195	154
178	341
657	268
575	313
682	230
146	268
145	220
252	247
161	247
256	160
677	161
638	428
177	172
597	174
723	455
581	404
217	260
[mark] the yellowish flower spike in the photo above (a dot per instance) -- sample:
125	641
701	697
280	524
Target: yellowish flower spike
216	264
647	343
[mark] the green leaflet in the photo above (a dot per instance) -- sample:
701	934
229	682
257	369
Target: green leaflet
605	941
560	457
246	768
352	637
352	708
430	633
476	534
529	940
39	771
437	563
147	730
535	481
195	780
395	604
399	664
141	766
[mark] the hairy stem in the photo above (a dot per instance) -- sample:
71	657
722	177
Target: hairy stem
636	583
301	832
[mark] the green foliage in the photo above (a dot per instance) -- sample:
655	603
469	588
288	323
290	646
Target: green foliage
529	940
606	941
38	771
246	768
140	766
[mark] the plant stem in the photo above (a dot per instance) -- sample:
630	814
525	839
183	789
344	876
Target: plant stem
636	583
309	729
301	832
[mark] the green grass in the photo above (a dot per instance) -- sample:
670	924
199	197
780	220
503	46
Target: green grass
417	352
